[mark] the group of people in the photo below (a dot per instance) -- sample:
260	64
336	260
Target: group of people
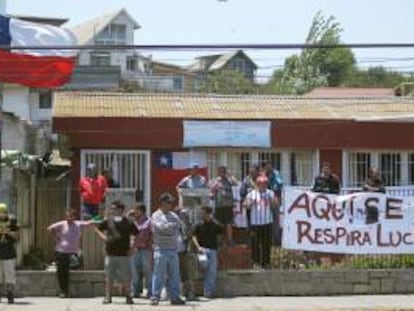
145	254
141	248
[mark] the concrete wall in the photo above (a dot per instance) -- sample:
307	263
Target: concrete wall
246	283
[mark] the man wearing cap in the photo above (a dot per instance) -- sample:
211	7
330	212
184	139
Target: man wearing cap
8	237
92	188
166	228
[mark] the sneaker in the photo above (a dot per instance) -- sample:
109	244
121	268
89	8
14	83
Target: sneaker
129	300
10	298
178	302
63	295
107	300
154	302
191	297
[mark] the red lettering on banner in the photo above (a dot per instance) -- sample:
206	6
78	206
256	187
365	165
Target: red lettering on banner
298	204
393	208
324	211
303	231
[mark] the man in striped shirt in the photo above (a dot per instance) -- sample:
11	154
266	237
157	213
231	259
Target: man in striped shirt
261	203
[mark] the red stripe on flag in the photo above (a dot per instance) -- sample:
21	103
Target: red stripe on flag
167	179
35	71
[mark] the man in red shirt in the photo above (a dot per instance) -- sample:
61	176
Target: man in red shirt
92	188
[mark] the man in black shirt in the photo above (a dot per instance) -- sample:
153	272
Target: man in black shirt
205	238
326	182
116	232
8	237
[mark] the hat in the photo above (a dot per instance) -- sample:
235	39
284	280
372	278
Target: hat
166	197
3	208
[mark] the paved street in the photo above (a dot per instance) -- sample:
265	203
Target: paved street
392	302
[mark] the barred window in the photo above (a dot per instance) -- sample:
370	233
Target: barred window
358	167
390	168
301	168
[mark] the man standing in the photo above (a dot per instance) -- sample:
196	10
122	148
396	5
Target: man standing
374	182
222	196
261	203
141	261
166	227
205	238
92	188
275	183
326	182
116	232
192	181
8	237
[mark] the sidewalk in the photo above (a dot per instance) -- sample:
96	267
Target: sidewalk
391	302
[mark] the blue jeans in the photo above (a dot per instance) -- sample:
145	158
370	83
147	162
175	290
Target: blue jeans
210	273
141	267
166	267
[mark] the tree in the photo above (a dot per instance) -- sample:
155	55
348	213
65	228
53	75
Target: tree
226	82
318	66
377	77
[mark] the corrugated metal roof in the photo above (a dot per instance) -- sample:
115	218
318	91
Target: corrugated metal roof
338	92
92	104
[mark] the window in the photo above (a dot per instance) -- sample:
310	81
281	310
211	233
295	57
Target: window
358	166
275	158
298	167
178	83
131	63
301	168
238	65
100	59
45	100
113	34
390	168
395	167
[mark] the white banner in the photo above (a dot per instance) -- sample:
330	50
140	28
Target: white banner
359	223
227	134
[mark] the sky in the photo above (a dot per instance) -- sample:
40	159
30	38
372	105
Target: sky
248	21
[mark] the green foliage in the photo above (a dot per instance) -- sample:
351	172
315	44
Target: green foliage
380	261
316	67
289	259
376	77
227	82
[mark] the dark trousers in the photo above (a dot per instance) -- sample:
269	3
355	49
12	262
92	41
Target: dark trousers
62	265
261	244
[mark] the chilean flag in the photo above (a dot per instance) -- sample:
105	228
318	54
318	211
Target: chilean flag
171	167
44	68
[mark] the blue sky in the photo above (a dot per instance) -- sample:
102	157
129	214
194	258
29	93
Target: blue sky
248	21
